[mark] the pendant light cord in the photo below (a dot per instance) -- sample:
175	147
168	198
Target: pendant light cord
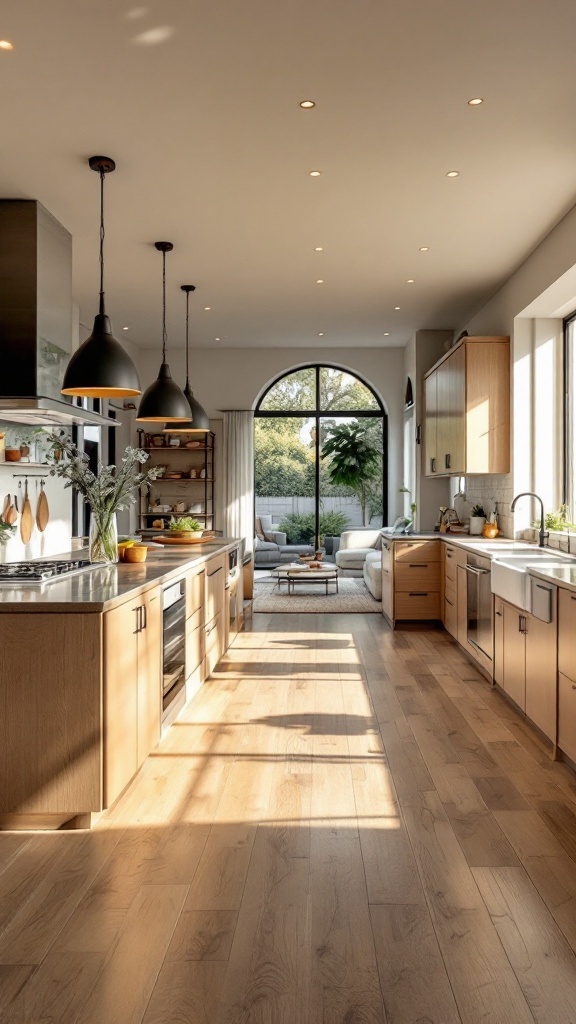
164	334
187	305
102	234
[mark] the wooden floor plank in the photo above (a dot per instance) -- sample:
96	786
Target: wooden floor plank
414	982
346	825
540	956
128	974
481	977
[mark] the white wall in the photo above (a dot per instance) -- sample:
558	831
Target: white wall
234	378
530	308
56	538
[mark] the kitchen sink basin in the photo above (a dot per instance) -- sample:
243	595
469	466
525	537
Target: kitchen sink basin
510	578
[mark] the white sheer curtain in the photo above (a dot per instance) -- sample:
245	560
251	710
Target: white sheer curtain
239	475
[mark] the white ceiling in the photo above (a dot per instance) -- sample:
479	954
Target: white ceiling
198	103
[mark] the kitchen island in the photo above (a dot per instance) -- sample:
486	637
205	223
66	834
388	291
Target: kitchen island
83	677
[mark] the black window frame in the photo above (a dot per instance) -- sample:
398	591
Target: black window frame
318	414
568	417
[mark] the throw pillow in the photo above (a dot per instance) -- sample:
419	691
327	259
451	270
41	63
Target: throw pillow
258	531
266	526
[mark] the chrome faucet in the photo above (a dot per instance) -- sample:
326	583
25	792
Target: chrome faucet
543	534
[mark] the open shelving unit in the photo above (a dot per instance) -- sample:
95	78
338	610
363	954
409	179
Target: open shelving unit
195	492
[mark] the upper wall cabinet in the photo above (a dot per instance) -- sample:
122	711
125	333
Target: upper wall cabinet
467	417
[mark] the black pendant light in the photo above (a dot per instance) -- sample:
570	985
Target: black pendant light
199	423
164	400
101	368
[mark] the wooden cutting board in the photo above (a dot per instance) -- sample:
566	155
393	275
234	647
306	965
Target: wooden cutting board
42	510
27	519
178	540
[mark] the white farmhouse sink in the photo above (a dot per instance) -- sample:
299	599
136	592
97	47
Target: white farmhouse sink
510	579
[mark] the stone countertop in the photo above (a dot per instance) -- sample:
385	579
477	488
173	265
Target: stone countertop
490	548
100	589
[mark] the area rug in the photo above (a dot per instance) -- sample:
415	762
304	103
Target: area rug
353	597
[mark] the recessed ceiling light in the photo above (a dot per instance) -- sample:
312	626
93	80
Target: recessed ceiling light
475	102
453	174
216	339
5	45
386	334
207	308
396	307
424	248
321	334
314	174
320	281
319	248
307	104
125	328
410	280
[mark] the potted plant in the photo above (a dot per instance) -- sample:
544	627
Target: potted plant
477	520
107	492
186	528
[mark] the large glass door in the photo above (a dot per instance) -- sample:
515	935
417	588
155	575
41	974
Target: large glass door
320	456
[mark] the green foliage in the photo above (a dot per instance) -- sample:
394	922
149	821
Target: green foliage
354	460
283	465
478	511
6	531
299	527
184	523
339	391
557	521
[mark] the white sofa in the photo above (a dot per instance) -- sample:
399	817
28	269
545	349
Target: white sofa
360	556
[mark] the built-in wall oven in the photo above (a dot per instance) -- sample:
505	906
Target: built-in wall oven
479	604
173	649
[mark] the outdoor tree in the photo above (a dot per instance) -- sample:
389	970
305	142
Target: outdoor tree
283	464
354	461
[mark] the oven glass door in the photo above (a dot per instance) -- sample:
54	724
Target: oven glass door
174	651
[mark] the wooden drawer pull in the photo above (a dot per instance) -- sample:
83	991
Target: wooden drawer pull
418	593
418	565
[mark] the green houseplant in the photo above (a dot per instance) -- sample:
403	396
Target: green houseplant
477	520
107	492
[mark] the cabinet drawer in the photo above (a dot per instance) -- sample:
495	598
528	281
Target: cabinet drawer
451	613
195	583
195	643
567	633
418	575
214	640
417	605
453	557
214	594
417	551
567	715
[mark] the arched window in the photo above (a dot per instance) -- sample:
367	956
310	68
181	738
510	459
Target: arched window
320	454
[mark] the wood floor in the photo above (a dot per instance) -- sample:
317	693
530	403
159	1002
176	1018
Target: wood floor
349	827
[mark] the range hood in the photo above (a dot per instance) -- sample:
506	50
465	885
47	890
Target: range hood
36	318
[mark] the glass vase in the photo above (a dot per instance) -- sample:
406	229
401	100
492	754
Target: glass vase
103	540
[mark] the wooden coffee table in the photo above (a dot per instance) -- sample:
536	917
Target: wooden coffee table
292	574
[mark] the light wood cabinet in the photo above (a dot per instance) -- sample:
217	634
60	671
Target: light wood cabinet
50	709
567	715
412	580
525	663
214	614
195	636
149	674
132	688
467	416
567	672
